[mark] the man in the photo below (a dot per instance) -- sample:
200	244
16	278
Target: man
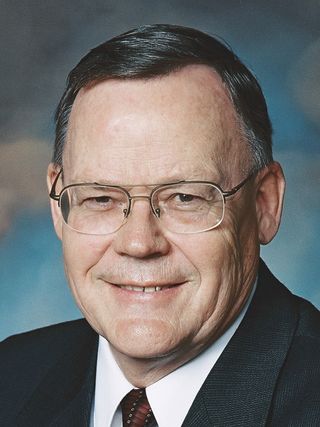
162	189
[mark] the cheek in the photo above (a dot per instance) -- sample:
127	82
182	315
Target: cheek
81	253
239	226
211	251
240	252
215	300
218	257
214	255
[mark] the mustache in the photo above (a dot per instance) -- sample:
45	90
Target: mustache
160	272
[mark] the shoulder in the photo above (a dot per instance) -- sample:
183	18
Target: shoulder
305	346
50	340
296	398
304	351
306	317
285	309
27	358
309	320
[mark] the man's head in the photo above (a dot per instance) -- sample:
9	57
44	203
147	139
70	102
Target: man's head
158	105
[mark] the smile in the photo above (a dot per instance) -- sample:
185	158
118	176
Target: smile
146	289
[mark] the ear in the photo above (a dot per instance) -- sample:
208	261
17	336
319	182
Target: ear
52	173
269	201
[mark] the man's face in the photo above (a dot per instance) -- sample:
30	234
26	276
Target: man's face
140	132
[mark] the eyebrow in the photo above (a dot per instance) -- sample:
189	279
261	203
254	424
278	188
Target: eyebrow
174	179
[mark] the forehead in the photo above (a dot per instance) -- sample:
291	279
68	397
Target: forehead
153	130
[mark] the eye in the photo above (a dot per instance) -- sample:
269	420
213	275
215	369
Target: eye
185	197
186	201
98	202
101	199
176	199
182	197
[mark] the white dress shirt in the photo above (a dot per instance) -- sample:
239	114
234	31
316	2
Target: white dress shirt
170	398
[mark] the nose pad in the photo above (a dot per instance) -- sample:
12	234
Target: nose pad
127	211
131	203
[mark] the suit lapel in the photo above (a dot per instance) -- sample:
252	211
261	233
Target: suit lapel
64	396
239	389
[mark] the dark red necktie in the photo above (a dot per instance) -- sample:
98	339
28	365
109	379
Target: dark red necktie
136	411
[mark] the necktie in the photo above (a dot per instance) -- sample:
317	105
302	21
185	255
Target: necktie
136	411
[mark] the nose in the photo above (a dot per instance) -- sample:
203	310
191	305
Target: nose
141	236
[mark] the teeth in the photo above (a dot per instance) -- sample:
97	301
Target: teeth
150	289
144	289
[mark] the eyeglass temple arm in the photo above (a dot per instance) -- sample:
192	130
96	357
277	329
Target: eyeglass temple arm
52	193
237	187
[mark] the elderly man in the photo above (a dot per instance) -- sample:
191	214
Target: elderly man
162	189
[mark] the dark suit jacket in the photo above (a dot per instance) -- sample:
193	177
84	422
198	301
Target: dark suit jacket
269	374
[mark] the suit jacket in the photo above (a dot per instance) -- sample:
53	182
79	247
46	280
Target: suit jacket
269	374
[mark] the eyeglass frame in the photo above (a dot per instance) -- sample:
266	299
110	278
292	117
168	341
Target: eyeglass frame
225	194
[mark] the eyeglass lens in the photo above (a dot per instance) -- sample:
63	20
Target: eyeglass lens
181	208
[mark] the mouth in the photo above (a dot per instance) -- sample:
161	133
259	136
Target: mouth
146	289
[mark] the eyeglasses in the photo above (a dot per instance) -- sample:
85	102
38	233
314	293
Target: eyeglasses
182	207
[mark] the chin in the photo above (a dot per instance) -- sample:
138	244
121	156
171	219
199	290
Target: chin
143	339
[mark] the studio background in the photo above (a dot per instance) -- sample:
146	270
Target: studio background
42	40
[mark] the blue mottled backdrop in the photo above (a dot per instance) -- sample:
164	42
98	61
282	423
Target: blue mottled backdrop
41	40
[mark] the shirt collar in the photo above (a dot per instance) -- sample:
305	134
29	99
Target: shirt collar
111	386
171	397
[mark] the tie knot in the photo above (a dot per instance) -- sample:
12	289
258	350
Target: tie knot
136	411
